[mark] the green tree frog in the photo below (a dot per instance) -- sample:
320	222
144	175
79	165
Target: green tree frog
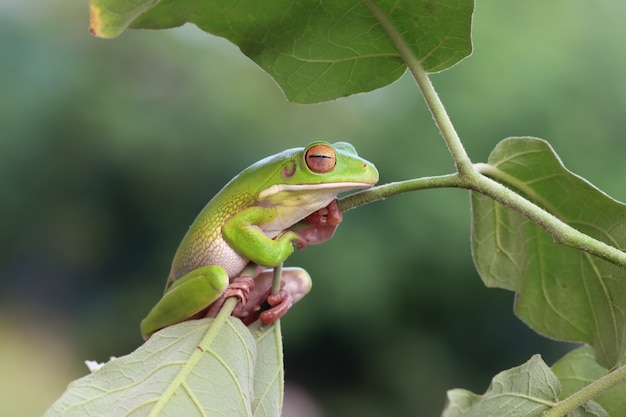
254	219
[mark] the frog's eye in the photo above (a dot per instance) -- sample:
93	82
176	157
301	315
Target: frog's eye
320	158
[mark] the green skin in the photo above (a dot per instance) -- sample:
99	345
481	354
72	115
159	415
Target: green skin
252	221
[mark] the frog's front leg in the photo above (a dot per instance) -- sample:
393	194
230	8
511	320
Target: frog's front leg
245	234
268	307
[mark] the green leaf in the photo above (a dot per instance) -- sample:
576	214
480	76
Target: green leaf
524	391
268	373
578	369
194	368
316	51
562	292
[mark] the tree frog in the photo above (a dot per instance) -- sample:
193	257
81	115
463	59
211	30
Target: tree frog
255	219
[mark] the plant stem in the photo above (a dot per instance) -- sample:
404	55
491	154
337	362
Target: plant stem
278	275
393	188
562	233
591	391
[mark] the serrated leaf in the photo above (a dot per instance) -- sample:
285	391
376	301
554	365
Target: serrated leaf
578	369
190	369
562	293
524	391
316	51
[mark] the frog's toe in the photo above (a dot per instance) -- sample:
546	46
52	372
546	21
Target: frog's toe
281	302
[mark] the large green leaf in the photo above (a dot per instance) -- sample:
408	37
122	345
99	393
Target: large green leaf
315	50
561	292
524	391
190	369
578	369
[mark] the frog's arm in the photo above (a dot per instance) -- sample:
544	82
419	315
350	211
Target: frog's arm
243	233
185	297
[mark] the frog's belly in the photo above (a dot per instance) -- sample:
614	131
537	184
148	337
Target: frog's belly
222	254
217	252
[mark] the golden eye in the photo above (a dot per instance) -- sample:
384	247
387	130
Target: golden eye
320	158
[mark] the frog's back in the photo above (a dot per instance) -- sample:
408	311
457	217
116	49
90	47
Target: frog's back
203	243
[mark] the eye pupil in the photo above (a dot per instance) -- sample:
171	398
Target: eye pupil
321	158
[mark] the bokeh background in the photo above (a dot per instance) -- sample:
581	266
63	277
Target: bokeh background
108	150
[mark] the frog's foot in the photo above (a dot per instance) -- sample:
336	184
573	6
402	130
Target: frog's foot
321	225
296	283
280	303
239	287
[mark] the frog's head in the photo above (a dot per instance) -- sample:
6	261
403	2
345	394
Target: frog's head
311	177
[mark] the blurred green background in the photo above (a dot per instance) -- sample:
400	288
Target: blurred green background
108	150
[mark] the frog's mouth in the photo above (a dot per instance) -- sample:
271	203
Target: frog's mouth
277	191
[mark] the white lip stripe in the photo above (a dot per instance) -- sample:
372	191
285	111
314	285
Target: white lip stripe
274	189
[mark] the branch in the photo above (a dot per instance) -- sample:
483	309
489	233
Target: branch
394	188
588	393
468	175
